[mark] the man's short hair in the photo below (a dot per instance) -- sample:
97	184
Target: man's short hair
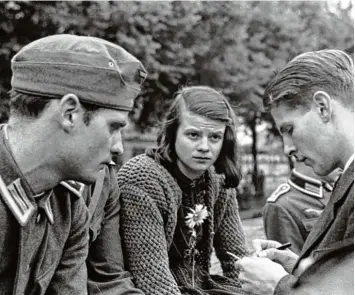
328	70
32	106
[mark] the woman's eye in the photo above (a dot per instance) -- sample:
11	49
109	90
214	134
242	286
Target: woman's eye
216	137
193	135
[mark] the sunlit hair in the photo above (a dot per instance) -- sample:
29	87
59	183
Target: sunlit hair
209	103
32	106
329	70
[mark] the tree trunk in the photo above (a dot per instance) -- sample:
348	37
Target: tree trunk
254	151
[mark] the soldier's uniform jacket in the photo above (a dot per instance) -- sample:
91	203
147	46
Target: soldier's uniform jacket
105	263
293	208
43	239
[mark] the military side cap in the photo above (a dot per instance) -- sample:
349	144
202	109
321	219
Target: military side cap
97	71
281	189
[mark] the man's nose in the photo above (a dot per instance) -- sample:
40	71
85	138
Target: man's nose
116	143
289	148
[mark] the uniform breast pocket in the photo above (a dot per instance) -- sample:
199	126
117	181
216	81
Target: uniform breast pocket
44	280
309	223
95	228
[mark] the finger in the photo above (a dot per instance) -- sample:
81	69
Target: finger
242	278
257	245
254	254
238	264
242	263
260	244
279	256
269	253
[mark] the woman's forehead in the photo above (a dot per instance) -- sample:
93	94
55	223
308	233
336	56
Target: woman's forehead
191	120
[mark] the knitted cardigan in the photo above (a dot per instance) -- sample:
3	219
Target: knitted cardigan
150	199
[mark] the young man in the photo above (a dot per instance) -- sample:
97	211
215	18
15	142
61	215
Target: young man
69	96
312	103
105	263
294	207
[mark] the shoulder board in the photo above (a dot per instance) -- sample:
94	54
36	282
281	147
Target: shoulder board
282	189
74	186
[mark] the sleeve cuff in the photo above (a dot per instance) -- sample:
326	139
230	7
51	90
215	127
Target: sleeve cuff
285	285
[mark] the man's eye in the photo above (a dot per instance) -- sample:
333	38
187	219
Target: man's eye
289	129
113	129
286	130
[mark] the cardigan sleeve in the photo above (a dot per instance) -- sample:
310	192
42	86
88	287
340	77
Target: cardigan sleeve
144	242
230	236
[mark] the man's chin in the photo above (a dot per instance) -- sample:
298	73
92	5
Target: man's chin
312	165
319	171
90	179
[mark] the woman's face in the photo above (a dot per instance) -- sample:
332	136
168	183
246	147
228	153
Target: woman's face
198	143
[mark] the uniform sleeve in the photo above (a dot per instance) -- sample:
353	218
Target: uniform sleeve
230	237
106	269
144	242
349	233
71	275
280	226
285	285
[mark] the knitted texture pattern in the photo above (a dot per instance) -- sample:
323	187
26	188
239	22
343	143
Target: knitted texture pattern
150	199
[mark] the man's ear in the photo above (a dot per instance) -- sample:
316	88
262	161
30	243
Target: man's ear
69	111
323	105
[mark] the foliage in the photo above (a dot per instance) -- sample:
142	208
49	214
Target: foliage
232	46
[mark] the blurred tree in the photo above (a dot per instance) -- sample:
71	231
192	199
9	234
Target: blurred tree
232	46
20	23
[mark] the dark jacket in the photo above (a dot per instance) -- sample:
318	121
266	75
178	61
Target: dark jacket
293	208
43	241
106	270
330	244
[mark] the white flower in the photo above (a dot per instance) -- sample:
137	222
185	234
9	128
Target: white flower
197	216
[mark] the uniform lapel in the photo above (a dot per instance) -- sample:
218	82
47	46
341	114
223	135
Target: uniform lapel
15	193
328	215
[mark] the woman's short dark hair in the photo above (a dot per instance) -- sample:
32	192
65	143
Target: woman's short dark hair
207	102
31	105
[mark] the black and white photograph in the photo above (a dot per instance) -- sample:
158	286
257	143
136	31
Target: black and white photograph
177	147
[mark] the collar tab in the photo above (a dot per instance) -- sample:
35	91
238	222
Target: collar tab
17	201
45	204
74	186
306	184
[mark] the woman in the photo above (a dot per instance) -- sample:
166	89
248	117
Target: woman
179	200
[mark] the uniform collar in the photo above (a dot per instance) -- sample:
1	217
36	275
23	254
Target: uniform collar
308	185
43	202
15	191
